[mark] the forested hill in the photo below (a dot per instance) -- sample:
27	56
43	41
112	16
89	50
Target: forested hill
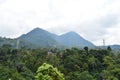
39	38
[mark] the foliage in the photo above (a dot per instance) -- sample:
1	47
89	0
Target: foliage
47	72
74	63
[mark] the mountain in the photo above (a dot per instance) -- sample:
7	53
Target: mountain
39	38
72	39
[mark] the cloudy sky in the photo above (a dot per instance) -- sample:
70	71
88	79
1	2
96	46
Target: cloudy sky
94	20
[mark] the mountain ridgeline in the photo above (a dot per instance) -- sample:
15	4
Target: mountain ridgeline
39	38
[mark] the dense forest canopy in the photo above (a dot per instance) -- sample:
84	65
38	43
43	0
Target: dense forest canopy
70	64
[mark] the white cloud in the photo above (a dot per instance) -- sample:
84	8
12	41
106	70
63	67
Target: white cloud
113	34
93	19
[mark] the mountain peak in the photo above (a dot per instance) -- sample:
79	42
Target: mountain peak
72	33
38	29
73	39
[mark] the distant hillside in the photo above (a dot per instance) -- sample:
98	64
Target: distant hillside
72	39
39	38
42	38
115	47
4	41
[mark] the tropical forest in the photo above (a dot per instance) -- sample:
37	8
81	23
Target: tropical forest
55	64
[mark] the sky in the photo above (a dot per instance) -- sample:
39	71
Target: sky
94	20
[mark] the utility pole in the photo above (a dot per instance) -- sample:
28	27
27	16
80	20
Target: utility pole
104	44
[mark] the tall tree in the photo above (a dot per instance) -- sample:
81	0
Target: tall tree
48	72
